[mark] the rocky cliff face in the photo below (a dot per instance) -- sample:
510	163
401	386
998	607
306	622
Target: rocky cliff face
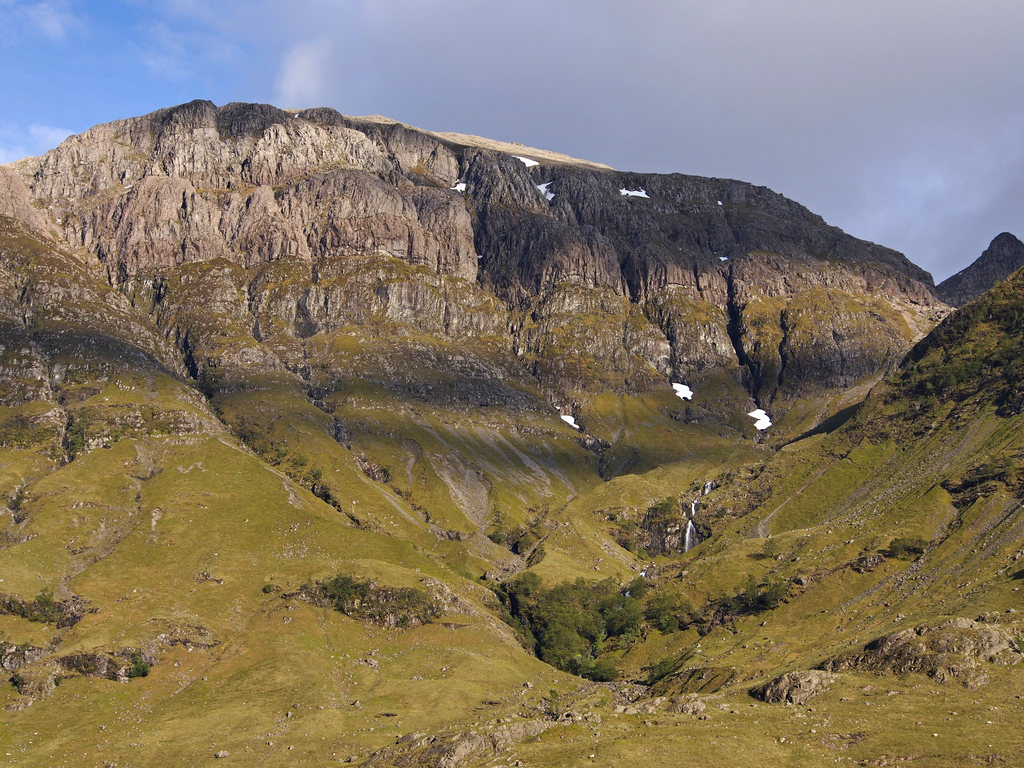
244	230
1003	257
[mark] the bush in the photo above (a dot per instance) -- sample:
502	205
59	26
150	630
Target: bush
667	612
498	536
757	597
139	667
43	609
524	542
906	548
662	669
74	438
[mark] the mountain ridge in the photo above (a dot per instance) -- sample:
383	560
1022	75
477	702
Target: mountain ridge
153	204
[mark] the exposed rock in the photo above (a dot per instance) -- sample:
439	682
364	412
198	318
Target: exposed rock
102	664
686	705
12	657
867	563
1003	257
319	222
953	649
455	750
794	687
35	682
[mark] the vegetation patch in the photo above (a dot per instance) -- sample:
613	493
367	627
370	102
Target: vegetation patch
44	609
574	625
365	600
906	548
755	597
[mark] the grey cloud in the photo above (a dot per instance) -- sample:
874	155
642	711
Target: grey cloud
899	122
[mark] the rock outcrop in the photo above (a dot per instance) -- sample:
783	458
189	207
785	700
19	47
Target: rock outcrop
794	687
953	649
1003	257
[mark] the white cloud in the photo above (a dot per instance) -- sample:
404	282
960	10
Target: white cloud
303	75
164	52
50	18
17	142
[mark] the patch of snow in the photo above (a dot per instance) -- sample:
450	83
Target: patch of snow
479	257
719	202
526	161
544	190
708	486
682	391
460	187
761	419
634	193
571	421
294	115
723	258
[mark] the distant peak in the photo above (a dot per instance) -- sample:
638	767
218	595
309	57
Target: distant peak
1003	257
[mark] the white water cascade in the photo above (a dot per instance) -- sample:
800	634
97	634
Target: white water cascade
690	537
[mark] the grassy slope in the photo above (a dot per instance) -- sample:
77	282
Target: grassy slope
173	530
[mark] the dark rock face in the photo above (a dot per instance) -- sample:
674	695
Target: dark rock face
285	225
1003	257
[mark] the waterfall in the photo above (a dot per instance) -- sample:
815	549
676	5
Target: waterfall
690	538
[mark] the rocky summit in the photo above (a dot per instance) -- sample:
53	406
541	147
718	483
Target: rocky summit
330	439
1003	257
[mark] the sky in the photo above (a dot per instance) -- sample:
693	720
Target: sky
900	121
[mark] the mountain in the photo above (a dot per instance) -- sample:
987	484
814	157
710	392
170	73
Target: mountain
677	276
329	439
1004	256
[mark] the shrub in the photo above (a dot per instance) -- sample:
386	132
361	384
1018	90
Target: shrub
667	612
906	548
663	668
498	536
139	667
74	438
524	542
43	609
757	597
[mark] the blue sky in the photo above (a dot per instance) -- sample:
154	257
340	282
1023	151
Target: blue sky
900	121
